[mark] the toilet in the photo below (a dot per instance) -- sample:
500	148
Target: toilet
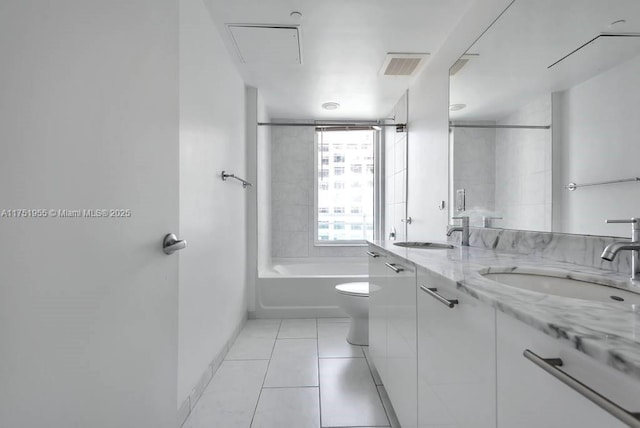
353	298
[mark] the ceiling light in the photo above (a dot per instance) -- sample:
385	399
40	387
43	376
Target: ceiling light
330	106
456	107
296	15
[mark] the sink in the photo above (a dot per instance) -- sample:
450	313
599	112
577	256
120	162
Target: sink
425	245
566	287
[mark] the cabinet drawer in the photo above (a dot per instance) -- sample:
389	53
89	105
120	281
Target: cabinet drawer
528	396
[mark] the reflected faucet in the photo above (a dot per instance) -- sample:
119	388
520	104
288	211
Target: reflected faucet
392	234
611	251
463	228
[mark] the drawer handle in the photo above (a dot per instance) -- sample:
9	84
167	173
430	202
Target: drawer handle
433	292
393	267
372	254
550	365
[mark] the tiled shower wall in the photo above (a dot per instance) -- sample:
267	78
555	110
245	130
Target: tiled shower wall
523	168
292	196
395	198
474	152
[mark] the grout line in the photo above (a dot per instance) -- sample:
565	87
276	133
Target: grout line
319	386
290	387
265	375
337	358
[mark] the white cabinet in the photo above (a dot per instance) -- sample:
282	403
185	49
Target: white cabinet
456	357
392	331
529	397
378	309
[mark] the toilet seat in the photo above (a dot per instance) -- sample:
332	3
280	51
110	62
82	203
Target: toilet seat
358	289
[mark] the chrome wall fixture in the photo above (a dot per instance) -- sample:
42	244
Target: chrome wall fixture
226	175
574	186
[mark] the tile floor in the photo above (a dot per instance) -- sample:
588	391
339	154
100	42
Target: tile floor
294	373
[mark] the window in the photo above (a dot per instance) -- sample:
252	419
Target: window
346	185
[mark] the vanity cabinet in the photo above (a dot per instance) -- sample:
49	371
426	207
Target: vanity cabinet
456	357
529	397
392	330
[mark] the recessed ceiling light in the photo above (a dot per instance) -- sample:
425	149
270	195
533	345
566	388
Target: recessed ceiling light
296	15
456	107
330	106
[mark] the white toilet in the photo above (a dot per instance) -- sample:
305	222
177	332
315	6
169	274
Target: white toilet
353	298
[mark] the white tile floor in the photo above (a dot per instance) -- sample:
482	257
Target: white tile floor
294	373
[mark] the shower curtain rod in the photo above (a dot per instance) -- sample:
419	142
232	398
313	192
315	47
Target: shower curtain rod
451	125
332	124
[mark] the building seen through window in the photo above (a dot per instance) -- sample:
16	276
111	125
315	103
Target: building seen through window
345	189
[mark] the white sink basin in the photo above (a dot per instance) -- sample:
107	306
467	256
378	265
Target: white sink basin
565	287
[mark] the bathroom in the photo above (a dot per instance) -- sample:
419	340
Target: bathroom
151	118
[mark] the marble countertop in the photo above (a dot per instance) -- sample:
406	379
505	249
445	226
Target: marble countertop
608	332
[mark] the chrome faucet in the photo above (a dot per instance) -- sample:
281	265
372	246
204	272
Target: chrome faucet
611	251
463	228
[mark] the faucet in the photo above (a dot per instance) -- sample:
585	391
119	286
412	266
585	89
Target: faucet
611	251
463	228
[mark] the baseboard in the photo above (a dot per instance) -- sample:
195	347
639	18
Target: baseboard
190	402
298	312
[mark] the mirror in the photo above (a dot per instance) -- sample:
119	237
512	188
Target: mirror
549	95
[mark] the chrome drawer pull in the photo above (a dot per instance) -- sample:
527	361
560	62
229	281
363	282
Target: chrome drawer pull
433	292
393	267
372	254
550	365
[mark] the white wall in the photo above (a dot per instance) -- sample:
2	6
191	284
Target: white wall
428	136
258	208
395	173
212	212
597	139
88	306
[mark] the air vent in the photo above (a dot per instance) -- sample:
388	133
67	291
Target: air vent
402	64
459	64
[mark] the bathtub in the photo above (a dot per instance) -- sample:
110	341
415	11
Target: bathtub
305	288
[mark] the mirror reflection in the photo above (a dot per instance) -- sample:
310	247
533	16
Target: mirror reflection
544	119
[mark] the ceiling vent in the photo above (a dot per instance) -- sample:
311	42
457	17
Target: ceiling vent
459	64
262	43
403	64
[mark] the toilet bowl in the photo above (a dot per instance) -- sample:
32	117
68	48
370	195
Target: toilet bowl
353	298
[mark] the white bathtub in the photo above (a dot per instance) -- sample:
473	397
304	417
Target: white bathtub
305	288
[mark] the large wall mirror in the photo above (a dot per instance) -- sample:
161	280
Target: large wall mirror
545	119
